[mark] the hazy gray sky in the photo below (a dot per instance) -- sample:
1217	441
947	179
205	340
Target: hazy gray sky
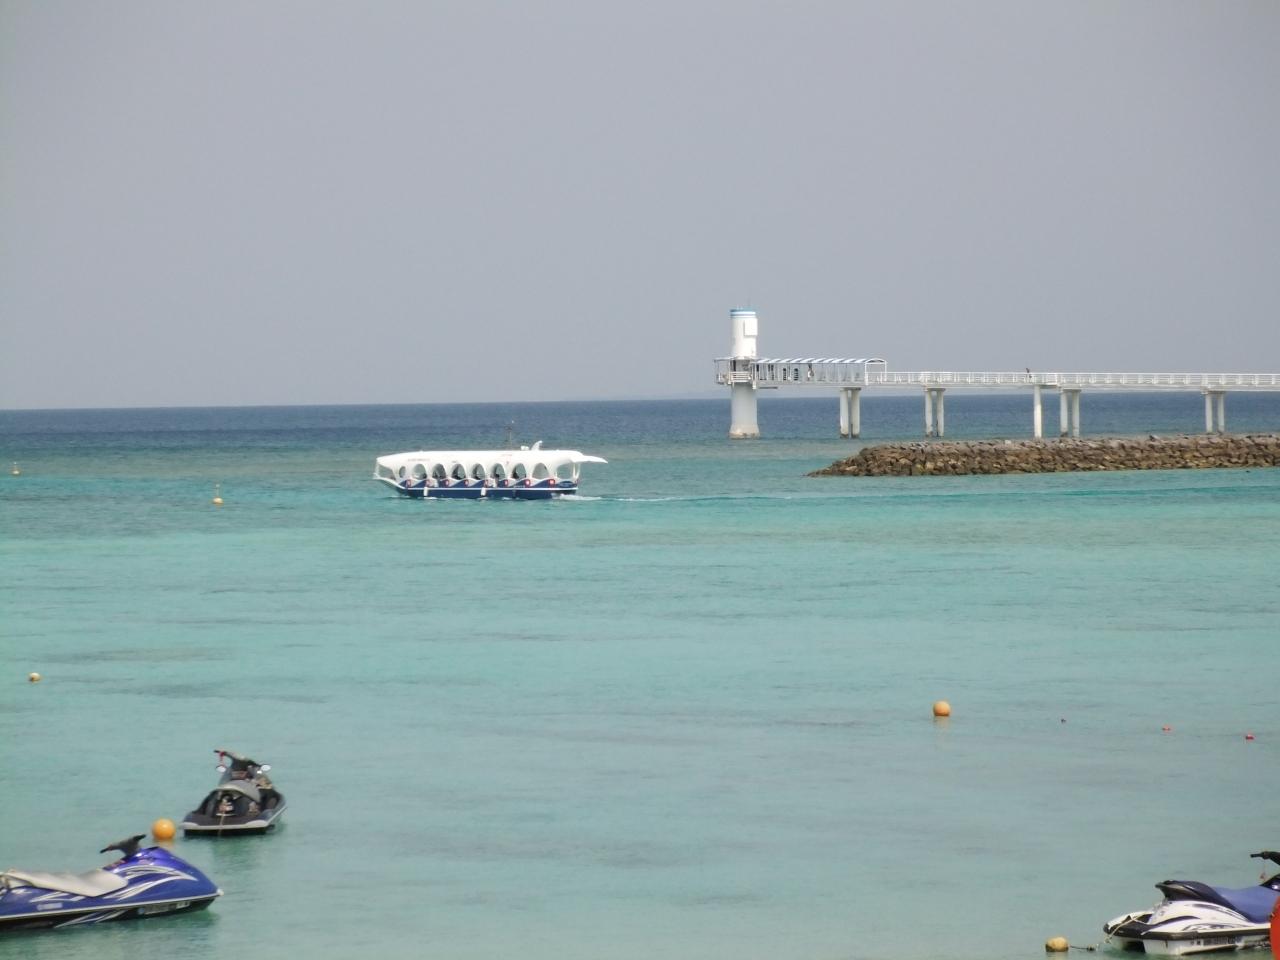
376	201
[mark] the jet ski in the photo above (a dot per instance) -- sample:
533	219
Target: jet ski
245	801
144	882
1195	917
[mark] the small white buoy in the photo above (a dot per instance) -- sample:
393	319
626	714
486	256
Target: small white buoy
217	494
33	678
15	471
1056	945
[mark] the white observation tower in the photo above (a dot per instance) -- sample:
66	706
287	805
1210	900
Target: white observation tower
742	388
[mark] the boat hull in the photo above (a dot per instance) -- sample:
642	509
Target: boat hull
540	490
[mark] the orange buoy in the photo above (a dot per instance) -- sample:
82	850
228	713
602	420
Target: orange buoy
163	829
942	709
1275	930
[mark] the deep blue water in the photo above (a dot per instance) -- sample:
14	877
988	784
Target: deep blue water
686	714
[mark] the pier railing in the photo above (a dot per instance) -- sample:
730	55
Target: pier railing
1148	381
822	372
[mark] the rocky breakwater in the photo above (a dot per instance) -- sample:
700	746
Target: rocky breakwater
953	458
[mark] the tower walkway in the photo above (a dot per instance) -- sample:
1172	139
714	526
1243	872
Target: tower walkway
745	373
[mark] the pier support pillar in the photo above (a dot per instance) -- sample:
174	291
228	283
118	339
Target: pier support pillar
742	412
1037	411
851	412
1215	409
934	412
1069	412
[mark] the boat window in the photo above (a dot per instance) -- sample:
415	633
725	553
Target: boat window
518	471
459	472
400	472
478	471
419	471
540	471
438	471
498	472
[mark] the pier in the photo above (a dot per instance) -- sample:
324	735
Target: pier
746	373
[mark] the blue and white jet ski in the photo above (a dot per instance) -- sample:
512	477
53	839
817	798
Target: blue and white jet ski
245	801
1195	917
144	882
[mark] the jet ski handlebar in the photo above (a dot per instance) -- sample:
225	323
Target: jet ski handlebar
127	847
1272	855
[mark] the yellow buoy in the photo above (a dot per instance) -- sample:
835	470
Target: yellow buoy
163	829
217	494
942	709
33	677
1056	945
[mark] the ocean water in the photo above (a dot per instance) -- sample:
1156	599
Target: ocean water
685	715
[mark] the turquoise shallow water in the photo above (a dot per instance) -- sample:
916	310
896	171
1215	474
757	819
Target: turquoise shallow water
685	715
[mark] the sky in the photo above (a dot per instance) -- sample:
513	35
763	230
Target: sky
287	202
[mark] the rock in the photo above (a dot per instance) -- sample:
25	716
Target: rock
1060	455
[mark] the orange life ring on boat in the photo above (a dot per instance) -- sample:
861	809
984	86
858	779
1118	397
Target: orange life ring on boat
551	482
528	481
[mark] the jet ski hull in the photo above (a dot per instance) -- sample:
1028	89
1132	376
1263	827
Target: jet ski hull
198	824
52	919
1180	928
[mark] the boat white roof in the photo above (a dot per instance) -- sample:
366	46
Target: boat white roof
804	359
534	454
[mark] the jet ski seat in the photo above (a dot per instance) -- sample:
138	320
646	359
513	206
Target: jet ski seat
92	883
1255	903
